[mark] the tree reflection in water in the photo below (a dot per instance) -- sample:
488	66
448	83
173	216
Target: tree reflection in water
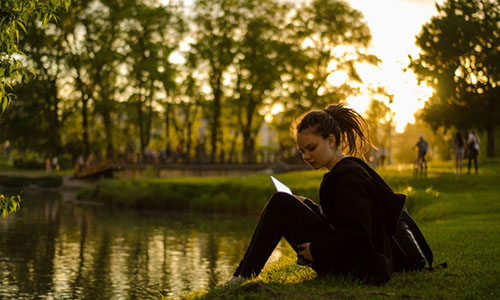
57	249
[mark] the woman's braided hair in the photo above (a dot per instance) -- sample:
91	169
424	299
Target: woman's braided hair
347	126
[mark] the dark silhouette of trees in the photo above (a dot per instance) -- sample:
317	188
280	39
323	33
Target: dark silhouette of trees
460	58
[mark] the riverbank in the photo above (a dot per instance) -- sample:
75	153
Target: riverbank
245	194
248	194
35	180
457	214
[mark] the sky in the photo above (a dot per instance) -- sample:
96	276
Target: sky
394	24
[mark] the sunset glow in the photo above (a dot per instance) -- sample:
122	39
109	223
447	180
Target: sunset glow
394	24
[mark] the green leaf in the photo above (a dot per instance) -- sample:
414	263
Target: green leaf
21	24
32	71
9	205
4	103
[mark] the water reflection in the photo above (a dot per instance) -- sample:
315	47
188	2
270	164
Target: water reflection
53	249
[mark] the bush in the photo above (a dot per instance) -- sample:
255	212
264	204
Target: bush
14	181
29	164
66	161
41	181
198	194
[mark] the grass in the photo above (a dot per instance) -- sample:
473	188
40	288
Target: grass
459	215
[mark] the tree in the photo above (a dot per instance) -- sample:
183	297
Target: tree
460	58
14	14
152	33
91	32
332	38
376	117
43	50
216	22
258	65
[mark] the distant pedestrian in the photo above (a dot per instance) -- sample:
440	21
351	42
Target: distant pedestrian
459	151
472	150
55	163
421	162
168	153
80	162
48	167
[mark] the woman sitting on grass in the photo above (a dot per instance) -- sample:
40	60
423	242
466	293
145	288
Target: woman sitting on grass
349	232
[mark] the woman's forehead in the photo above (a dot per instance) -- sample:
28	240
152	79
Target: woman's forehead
307	136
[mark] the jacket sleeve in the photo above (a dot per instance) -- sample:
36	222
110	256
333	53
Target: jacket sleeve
347	205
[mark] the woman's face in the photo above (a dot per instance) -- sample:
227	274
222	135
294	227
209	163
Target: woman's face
316	151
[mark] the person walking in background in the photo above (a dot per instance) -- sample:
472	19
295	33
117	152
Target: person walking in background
48	166
80	163
55	163
458	150
472	150
421	162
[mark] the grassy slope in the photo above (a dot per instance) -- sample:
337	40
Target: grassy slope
460	217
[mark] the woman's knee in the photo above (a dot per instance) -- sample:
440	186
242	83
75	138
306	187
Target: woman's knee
280	200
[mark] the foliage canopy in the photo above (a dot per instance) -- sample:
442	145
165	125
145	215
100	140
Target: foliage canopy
460	58
14	15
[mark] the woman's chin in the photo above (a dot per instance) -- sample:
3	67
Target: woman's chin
315	166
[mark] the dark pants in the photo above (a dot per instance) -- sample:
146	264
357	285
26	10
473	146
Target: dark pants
472	157
283	216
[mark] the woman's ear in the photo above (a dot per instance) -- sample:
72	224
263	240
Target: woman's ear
331	140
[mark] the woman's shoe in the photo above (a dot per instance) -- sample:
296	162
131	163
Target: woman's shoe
235	280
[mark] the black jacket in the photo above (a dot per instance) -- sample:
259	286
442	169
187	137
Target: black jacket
364	212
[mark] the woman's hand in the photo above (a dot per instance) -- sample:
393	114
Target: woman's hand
305	251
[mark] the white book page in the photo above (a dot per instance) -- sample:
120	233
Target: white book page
280	186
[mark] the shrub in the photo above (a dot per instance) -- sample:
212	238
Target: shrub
29	164
66	161
41	181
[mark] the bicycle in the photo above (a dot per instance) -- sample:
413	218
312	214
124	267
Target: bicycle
420	163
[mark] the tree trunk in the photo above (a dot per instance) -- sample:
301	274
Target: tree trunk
106	116
106	109
85	128
54	133
490	147
141	122
249	149
231	158
248	134
149	120
190	117
85	122
215	123
168	108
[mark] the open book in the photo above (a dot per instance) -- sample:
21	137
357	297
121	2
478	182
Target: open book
280	186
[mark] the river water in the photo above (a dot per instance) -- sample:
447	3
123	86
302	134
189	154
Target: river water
53	248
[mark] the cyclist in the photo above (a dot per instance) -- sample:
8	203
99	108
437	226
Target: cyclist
422	147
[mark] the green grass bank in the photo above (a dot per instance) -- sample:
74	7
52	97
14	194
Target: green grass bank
459	215
245	194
